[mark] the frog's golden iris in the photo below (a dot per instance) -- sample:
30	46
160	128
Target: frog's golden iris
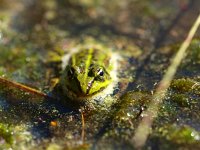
87	73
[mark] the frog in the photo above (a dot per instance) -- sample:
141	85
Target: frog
89	74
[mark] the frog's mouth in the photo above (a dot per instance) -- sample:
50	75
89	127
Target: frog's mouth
80	93
72	89
82	96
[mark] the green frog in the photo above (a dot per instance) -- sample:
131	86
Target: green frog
90	73
95	74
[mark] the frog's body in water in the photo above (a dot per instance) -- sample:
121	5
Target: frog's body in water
90	73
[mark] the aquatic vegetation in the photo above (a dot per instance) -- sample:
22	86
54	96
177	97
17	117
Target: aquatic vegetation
186	85
10	135
171	136
6	134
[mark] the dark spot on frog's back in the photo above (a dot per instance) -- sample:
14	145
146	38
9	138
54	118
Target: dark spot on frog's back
82	56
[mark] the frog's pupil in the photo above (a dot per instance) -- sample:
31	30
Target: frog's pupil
100	72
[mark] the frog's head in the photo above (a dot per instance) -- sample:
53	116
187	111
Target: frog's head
86	81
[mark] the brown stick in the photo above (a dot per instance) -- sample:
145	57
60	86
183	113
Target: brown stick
83	126
22	87
151	113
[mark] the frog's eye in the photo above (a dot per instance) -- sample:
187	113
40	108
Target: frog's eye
99	75
100	72
97	72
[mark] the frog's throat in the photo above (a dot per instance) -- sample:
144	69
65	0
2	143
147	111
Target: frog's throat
72	95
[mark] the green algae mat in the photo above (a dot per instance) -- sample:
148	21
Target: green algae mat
79	74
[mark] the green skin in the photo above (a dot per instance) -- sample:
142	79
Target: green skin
87	73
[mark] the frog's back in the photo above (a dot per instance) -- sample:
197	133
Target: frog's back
91	56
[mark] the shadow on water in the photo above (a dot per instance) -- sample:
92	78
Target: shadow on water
38	115
159	40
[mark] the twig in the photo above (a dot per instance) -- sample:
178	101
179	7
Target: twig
144	127
83	126
10	84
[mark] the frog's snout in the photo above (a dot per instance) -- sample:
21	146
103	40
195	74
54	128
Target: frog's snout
86	86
